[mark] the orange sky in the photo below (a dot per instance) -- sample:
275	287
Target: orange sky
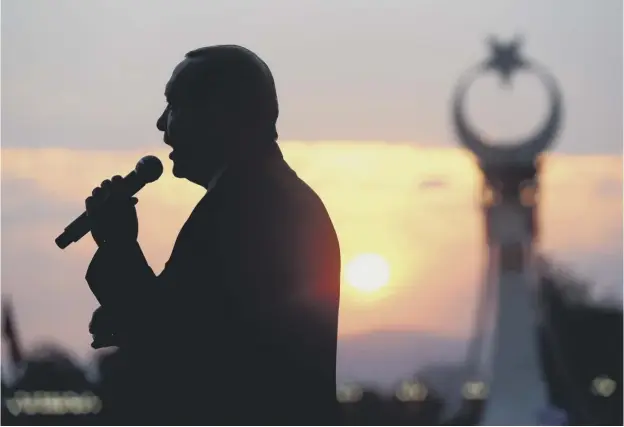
414	206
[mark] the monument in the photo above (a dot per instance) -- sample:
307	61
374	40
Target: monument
507	313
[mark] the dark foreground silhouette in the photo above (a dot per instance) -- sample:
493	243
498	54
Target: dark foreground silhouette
590	341
248	301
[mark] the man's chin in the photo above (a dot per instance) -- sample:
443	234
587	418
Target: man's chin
182	173
178	172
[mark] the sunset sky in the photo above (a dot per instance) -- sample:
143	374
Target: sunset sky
364	92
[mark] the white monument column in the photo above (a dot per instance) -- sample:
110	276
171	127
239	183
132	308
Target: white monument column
517	393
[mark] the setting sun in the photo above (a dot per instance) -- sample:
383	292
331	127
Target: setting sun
368	272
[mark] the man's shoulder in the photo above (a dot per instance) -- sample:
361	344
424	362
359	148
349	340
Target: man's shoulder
295	203
274	204
276	189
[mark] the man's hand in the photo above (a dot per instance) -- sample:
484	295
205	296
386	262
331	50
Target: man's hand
112	213
102	329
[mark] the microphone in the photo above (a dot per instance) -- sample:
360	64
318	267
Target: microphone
149	169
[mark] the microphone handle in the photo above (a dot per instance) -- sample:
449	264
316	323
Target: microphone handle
75	231
80	227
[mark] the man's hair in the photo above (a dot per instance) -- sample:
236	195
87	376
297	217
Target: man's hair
240	80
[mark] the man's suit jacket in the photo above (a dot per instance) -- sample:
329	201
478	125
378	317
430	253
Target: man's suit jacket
242	322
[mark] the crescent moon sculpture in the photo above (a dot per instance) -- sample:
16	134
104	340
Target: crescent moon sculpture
505	324
505	61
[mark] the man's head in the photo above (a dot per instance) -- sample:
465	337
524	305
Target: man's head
221	100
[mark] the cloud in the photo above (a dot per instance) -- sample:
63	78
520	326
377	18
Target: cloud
70	81
434	184
25	201
610	188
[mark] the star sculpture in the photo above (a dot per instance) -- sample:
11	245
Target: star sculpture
505	59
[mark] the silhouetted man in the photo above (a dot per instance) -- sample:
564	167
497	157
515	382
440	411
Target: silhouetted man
241	325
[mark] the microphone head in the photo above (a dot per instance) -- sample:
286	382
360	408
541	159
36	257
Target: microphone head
149	169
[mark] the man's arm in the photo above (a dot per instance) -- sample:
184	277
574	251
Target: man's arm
128	291
119	273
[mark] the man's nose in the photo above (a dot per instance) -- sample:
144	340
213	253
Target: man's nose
161	123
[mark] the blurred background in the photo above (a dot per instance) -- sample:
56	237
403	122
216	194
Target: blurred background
365	90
